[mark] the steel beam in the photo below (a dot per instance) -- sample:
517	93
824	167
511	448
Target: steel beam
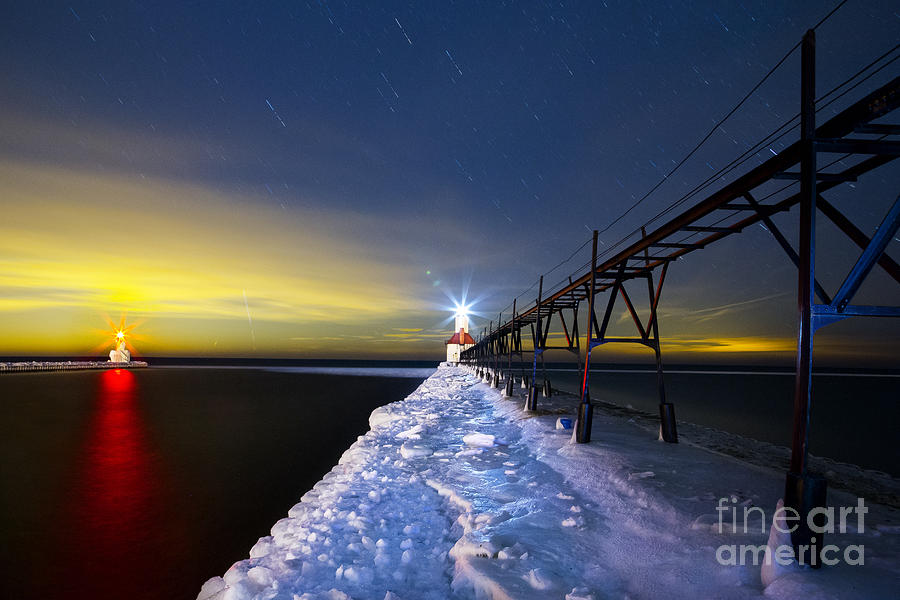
855	234
870	255
805	492
806	258
852	146
837	177
785	245
878	129
584	422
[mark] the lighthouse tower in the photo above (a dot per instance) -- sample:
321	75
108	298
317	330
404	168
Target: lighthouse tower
461	339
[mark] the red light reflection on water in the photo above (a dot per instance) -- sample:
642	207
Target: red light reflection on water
113	537
118	470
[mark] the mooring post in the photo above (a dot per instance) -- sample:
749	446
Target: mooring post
488	351
803	490
585	418
508	390
479	355
547	390
484	353
495	338
531	402
667	427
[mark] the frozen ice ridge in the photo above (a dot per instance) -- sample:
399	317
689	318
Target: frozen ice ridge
453	493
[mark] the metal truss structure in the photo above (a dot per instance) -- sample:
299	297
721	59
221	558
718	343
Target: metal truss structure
744	202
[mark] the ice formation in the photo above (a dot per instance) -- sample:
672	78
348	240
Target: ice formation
454	493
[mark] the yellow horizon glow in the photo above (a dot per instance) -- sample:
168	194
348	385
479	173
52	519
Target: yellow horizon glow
208	272
215	274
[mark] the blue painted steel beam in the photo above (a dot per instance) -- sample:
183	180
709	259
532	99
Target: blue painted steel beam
857	310
868	258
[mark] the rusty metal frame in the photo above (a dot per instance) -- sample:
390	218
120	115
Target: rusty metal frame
730	210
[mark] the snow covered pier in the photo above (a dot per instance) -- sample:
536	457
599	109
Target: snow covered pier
455	492
68	365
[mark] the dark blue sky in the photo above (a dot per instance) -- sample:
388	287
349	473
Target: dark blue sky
492	137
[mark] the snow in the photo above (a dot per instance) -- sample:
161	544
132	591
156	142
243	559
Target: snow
455	492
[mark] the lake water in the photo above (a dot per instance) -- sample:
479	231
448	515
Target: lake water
853	419
143	484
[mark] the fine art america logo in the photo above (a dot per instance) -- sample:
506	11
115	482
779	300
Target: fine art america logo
785	521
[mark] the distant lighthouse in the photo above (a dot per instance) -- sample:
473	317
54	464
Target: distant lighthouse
121	353
461	339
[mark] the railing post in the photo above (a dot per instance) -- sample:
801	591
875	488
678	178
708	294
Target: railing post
804	491
584	421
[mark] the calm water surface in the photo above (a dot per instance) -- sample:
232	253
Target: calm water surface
853	417
145	483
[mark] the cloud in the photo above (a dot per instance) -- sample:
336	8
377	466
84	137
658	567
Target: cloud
724	310
745	344
87	242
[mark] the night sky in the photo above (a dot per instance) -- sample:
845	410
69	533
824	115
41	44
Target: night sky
320	179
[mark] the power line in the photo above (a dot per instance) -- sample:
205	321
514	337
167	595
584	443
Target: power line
734	164
828	16
703	141
740	160
718	124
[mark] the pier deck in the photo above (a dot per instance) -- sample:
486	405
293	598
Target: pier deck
67	365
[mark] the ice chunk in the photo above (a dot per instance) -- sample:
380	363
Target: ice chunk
479	440
213	589
470	545
359	575
469	452
261	576
410	434
771	570
261	548
381	559
408	450
580	593
539	579
381	416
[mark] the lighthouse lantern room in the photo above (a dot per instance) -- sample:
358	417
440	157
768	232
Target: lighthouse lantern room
461	339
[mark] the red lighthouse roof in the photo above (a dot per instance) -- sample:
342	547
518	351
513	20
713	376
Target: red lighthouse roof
462	338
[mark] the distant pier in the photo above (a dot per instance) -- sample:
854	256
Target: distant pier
68	365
